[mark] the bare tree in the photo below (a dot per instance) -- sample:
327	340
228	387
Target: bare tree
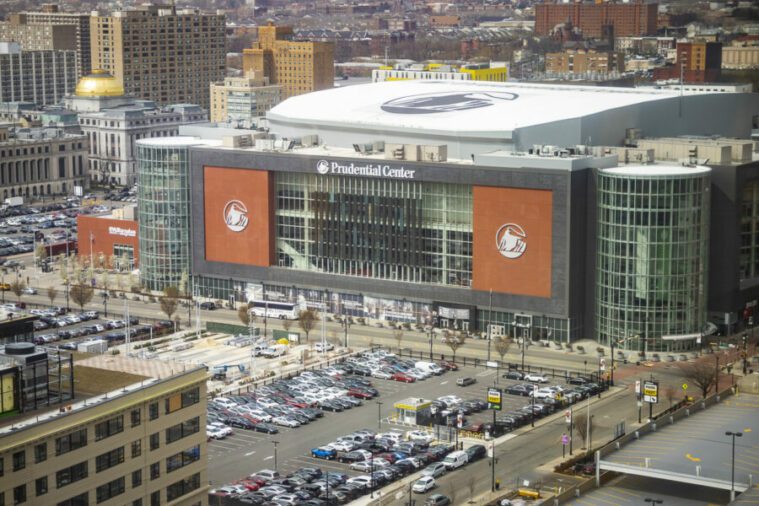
245	316
398	336
52	293
333	339
82	294
455	342
287	325
17	287
580	420
307	320
170	301
502	345
703	374
669	393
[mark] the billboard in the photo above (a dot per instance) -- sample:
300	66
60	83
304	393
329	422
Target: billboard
238	216
512	240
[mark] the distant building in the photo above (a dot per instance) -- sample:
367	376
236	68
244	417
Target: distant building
187	52
243	98
582	61
299	67
695	62
492	71
645	45
741	55
42	77
113	122
49	15
447	21
39	37
597	20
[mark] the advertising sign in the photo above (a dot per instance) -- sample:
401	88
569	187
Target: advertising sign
651	392
494	398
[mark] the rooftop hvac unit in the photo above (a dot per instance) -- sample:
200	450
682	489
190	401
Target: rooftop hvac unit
378	146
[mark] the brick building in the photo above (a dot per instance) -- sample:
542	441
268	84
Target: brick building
582	61
696	62
597	19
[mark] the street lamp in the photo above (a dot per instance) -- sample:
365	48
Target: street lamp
652	501
733	435
379	415
431	329
275	443
105	304
346	326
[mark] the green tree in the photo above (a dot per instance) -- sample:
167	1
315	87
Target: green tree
307	320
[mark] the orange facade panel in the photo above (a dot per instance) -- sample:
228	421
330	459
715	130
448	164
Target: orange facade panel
512	240
238	216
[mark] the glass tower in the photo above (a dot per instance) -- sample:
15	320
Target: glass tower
164	210
652	256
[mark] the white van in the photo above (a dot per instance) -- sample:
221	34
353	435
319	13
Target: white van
455	460
274	351
429	367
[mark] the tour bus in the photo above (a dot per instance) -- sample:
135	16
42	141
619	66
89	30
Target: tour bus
281	310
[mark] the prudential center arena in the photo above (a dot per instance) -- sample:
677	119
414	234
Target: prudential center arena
548	212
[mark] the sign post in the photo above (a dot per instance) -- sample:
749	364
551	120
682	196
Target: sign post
651	395
564	442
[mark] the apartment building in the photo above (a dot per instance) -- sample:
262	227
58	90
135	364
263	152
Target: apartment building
696	61
42	77
599	19
39	37
741	54
583	61
50	15
299	67
141	445
41	161
161	53
243	99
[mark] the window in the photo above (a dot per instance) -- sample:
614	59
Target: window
153	410
155	498
19	460
135	417
109	490
182	459
183	487
155	470
71	442
136	478
19	494
154	441
40	453
71	474
136	448
183	429
109	459
41	485
2	467
79	500
137	502
109	428
182	400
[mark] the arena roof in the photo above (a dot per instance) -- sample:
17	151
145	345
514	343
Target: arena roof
463	106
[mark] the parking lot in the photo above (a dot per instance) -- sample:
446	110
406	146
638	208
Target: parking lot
246	452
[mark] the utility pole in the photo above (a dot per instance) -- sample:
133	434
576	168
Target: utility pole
490	322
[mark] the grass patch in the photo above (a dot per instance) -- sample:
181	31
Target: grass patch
94	381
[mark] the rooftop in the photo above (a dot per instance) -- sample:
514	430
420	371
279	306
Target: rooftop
658	170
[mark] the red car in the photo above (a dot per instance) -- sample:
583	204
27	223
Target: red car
359	394
399	376
249	484
448	365
296	404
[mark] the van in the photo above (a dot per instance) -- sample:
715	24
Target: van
455	460
274	351
429	367
259	349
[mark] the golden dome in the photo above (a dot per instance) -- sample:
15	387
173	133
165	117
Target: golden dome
99	84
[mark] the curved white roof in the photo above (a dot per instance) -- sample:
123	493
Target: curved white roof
657	170
181	141
464	107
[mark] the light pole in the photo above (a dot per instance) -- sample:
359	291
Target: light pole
275	443
716	373
431	333
490	322
733	435
379	415
346	326
105	304
652	501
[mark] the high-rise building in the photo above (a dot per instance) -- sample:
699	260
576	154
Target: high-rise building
598	19
582	61
299	67
41	161
41	77
143	443
160	53
51	16
243	98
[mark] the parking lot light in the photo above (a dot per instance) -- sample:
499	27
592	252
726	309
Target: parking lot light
733	435
379	415
275	443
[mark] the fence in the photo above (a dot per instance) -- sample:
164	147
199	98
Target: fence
227	328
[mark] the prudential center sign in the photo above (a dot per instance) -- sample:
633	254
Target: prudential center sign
325	167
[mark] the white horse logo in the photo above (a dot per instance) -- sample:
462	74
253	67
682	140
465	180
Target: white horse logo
510	240
235	216
322	167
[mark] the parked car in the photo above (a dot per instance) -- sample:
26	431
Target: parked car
435	469
466	381
210	306
535	378
437	500
324	452
515	375
423	484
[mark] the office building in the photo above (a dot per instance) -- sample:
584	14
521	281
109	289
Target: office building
50	15
114	121
243	99
492	71
35	162
144	443
599	19
42	77
584	61
299	67
161	53
473	194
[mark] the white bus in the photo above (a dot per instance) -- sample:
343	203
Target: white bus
281	310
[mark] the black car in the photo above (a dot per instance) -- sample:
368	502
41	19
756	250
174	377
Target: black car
351	457
241	423
522	390
514	375
578	380
266	428
476	452
210	306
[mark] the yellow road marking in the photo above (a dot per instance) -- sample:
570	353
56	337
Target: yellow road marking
692	458
747	429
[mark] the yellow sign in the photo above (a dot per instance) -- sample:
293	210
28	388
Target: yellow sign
692	458
685	386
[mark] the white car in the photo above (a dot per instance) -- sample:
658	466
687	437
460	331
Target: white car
323	347
423	484
535	378
363	481
381	374
543	393
227	431
285	422
29	291
214	433
343	446
364	466
420	435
